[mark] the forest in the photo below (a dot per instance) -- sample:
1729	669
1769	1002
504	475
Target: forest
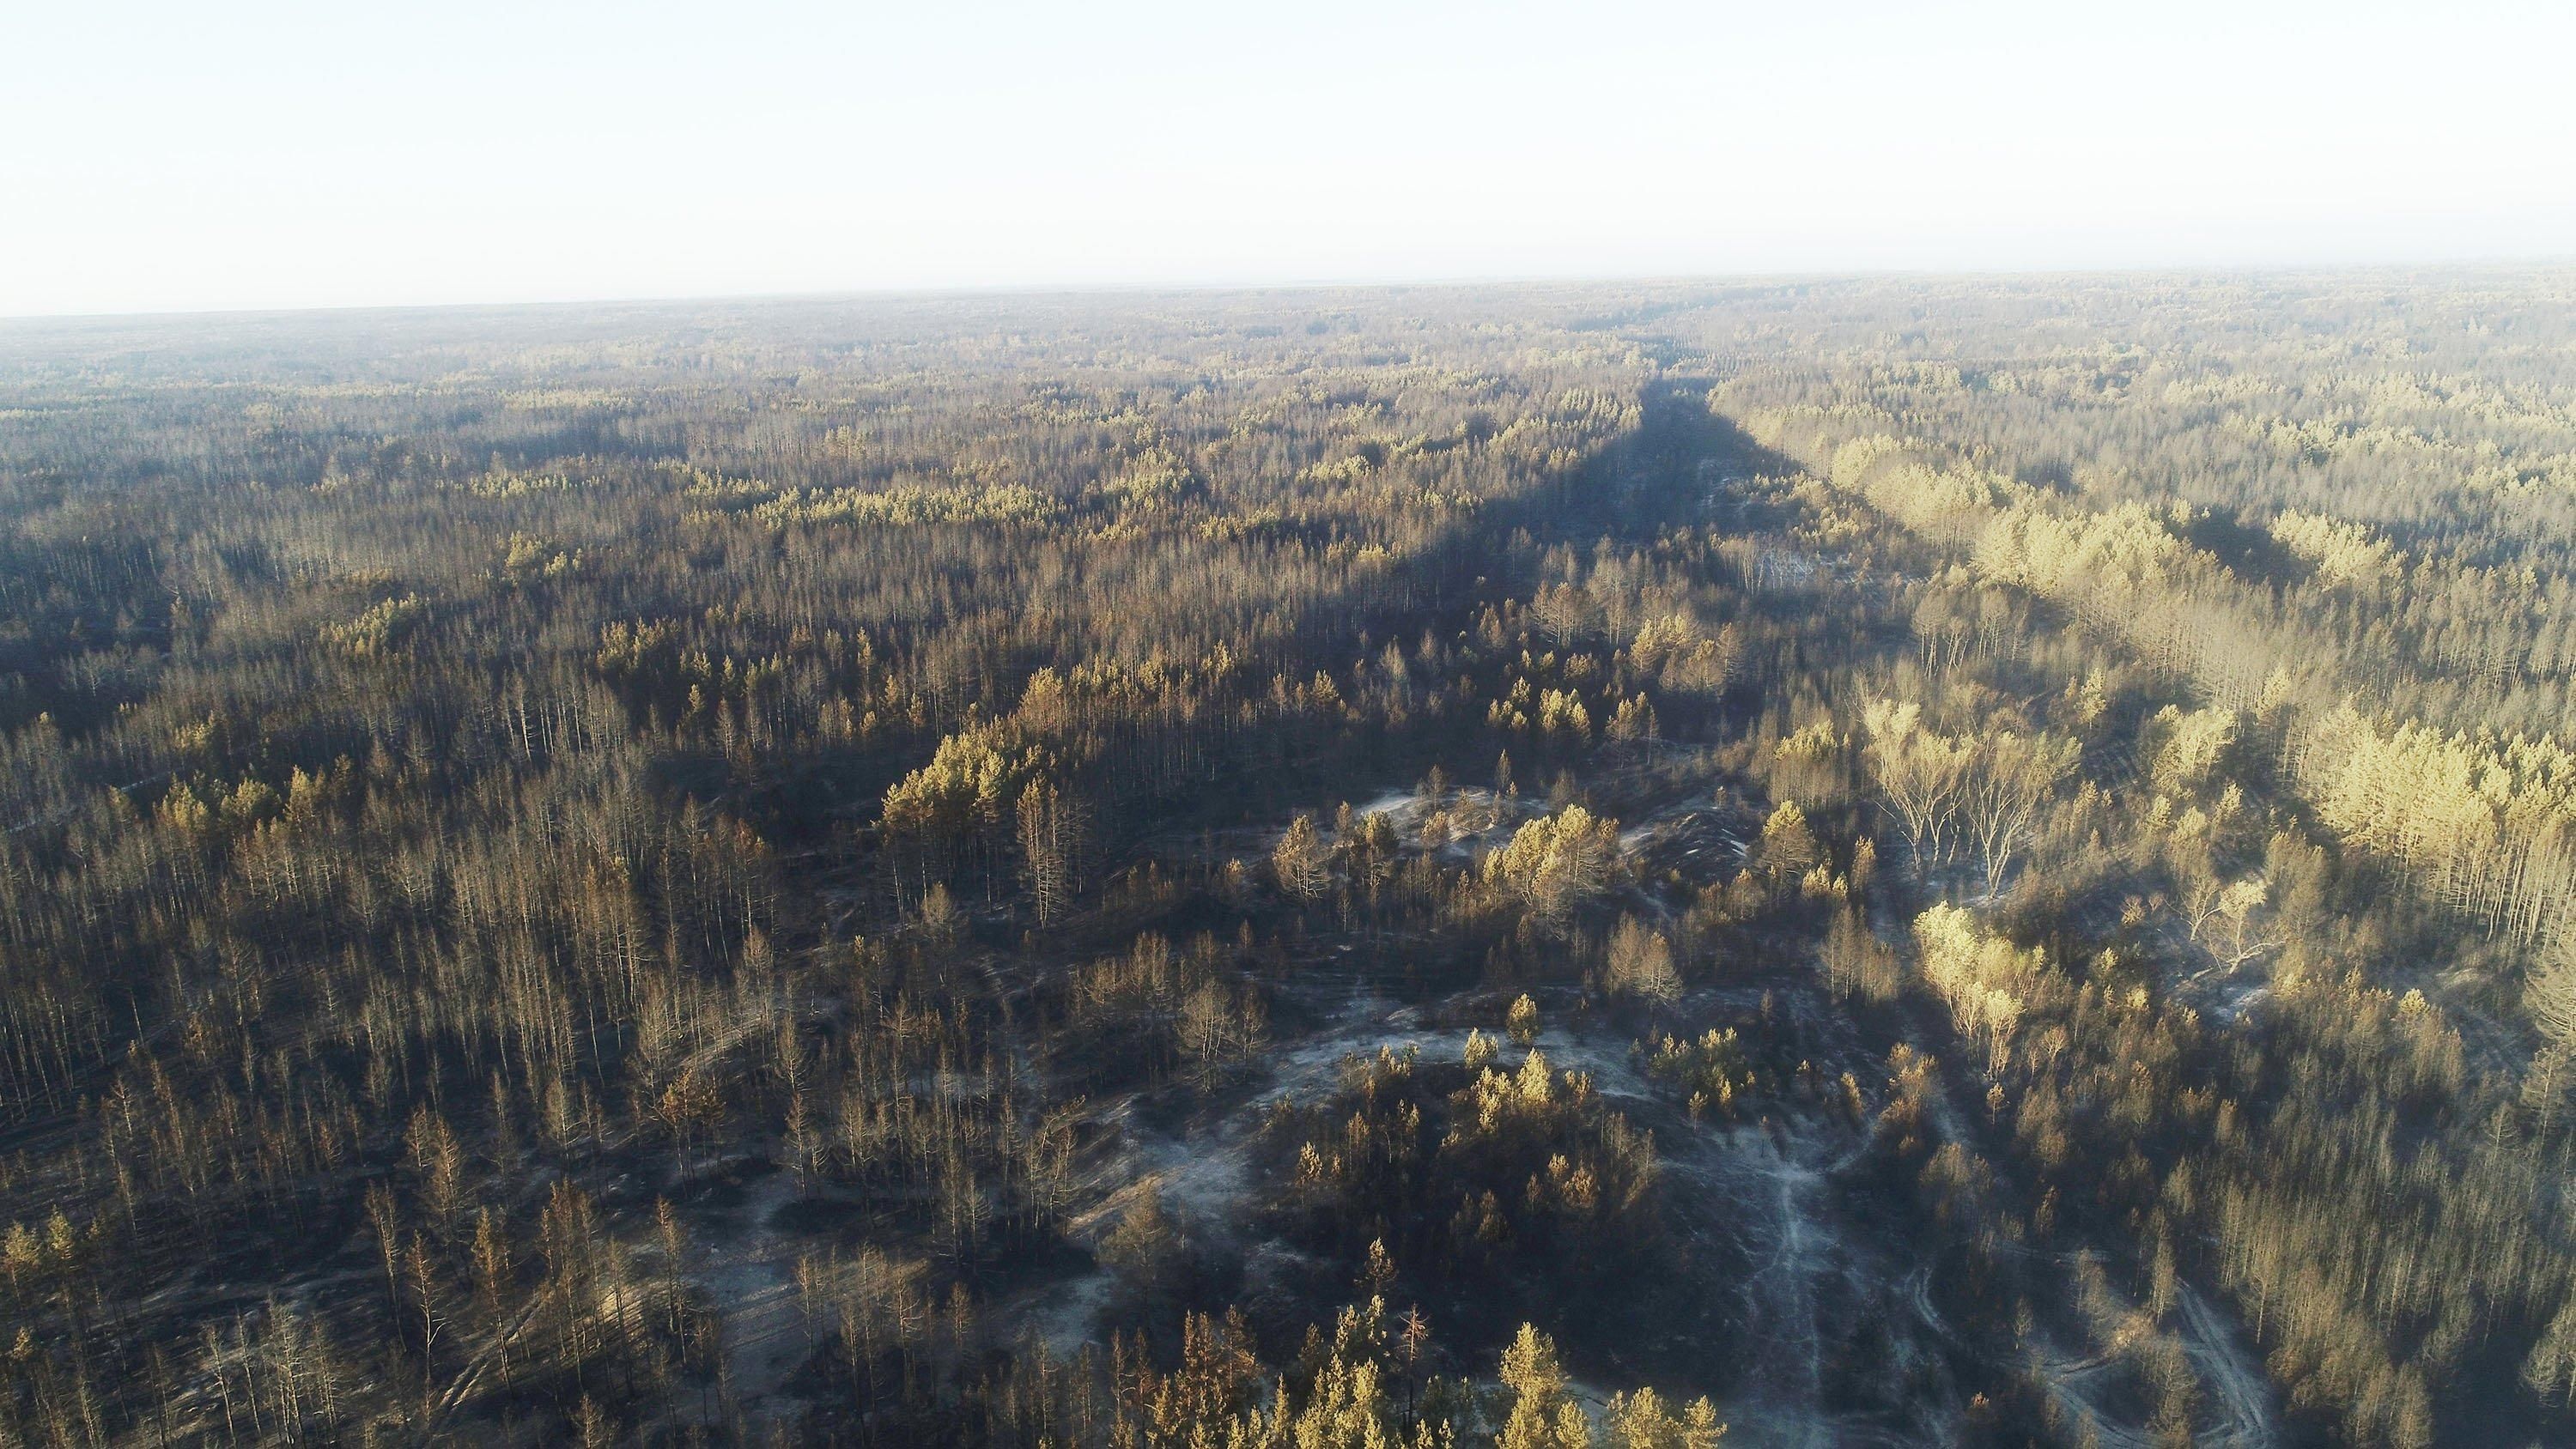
1890	860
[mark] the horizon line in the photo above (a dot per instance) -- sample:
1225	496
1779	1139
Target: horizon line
1382	283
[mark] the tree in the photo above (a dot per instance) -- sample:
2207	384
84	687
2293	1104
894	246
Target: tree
1983	979
425	1284
1640	964
1217	1025
1641	1421
1051	831
2184	750
1541	1415
690	1102
1788	847
1480	1050
2549	995
941	920
1144	1250
2222	918
1302	862
1857	963
1556	863
956	800
439	1161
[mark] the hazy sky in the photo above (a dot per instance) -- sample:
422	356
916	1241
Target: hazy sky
258	154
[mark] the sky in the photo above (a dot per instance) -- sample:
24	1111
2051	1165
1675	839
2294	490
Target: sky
169	157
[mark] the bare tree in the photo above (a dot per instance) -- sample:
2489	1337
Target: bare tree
1920	774
2007	781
